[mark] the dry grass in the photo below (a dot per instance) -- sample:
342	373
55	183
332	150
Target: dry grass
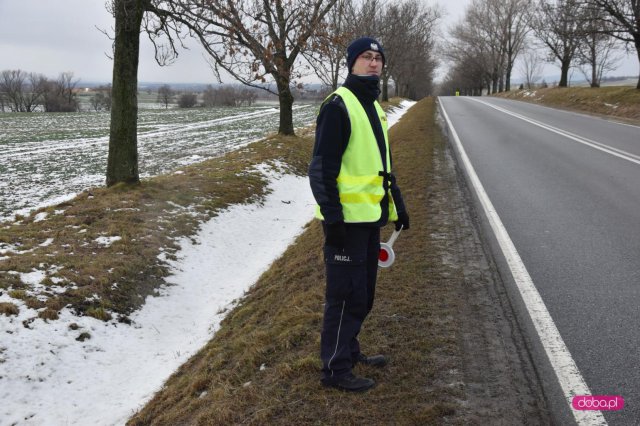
48	314
262	367
8	309
616	101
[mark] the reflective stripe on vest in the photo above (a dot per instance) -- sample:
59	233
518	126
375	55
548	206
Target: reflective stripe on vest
360	185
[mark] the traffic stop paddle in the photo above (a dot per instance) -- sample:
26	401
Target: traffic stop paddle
386	256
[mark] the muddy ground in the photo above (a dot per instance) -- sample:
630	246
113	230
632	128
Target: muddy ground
499	381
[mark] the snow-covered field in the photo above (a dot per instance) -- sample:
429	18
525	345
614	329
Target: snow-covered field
48	377
47	158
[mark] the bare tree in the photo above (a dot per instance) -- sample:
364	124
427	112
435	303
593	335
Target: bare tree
624	19
531	65
253	40
22	91
102	98
97	101
557	24
478	42
367	19
209	97
409	36
223	96
228	96
513	23
463	80
187	100
12	85
473	52
60	94
484	13
165	95
328	46
247	97
597	52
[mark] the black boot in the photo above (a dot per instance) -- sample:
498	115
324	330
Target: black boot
374	361
349	383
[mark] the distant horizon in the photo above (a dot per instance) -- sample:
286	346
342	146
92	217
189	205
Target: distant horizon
549	79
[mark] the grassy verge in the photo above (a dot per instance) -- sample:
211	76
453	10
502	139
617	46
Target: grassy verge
262	367
614	101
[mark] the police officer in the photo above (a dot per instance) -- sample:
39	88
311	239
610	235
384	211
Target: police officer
351	180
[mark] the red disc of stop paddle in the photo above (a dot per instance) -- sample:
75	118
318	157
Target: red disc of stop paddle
383	256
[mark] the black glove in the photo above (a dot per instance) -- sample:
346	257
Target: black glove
403	221
336	235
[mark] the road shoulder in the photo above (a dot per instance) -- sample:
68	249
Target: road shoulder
500	383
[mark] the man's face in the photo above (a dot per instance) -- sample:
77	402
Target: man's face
368	63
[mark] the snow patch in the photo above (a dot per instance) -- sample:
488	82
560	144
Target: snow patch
47	242
107	241
394	114
33	278
40	217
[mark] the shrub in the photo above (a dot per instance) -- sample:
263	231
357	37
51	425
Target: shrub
187	100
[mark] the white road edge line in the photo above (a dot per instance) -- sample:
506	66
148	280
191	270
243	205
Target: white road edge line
593	144
565	368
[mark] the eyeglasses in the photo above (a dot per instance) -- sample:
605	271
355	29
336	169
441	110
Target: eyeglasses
370	58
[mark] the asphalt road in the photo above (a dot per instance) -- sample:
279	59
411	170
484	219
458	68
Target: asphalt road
567	189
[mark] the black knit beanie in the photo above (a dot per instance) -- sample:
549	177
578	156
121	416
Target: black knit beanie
362	45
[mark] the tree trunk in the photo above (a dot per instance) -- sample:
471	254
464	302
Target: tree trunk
564	73
334	81
637	43
593	59
594	75
122	164
385	88
286	107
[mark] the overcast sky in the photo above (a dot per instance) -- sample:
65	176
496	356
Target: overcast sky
53	36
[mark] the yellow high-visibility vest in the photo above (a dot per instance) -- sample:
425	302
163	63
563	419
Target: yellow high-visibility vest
360	184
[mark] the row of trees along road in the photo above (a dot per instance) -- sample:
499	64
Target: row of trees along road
26	92
574	33
263	43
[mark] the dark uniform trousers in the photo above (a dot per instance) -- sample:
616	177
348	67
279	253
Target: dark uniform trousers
351	282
